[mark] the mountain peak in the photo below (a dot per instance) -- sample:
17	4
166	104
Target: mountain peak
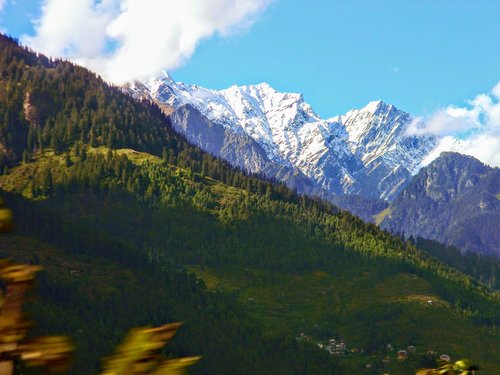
262	87
463	160
265	86
454	154
375	106
453	200
164	76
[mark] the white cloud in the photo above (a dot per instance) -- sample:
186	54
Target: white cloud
136	39
447	143
2	4
472	130
496	91
73	29
485	147
445	121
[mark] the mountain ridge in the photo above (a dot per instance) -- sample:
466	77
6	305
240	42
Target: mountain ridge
453	200
340	155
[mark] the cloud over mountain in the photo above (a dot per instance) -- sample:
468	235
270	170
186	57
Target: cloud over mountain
473	129
133	39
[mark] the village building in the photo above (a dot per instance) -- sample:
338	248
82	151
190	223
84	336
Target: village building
402	354
445	357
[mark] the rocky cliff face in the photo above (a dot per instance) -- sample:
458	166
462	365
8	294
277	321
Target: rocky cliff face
257	128
455	200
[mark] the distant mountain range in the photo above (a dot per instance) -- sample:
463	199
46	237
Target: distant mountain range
365	151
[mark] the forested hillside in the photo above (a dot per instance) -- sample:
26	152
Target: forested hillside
454	200
121	210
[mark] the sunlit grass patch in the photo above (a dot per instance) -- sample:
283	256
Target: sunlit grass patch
423	299
381	216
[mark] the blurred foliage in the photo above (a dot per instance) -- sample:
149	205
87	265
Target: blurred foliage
461	367
6	223
137	354
52	353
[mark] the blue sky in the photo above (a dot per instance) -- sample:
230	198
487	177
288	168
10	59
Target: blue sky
419	55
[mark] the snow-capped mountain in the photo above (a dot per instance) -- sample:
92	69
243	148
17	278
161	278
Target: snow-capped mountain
378	136
365	151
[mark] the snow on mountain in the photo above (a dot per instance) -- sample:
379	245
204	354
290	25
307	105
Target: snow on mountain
366	151
379	131
377	135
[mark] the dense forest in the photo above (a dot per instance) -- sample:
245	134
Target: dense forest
101	185
485	268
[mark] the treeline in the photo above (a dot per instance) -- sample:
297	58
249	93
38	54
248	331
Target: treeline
482	267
